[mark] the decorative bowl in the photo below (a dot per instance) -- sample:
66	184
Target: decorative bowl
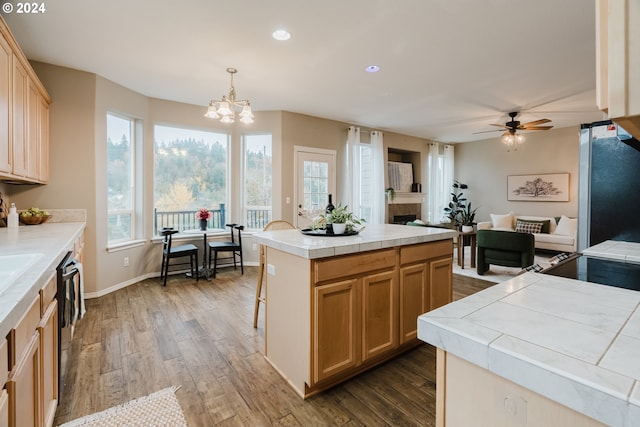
34	219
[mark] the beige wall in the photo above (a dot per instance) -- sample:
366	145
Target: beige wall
485	165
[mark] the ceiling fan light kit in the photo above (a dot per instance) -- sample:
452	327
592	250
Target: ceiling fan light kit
511	138
225	108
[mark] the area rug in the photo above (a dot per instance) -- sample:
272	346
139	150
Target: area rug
158	409
496	273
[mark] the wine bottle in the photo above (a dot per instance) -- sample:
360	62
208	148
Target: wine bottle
327	211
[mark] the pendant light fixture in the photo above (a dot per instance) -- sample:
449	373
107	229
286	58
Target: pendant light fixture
225	109
512	139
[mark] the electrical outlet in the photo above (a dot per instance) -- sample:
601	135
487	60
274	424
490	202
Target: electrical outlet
254	246
126	261
271	269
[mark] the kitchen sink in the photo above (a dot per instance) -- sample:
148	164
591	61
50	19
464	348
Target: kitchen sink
12	267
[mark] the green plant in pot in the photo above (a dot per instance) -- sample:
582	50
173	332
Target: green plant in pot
457	203
465	217
340	216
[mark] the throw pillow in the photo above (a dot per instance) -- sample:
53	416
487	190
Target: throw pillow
546	224
502	221
528	227
567	226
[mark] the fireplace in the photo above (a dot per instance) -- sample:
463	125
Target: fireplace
401	213
403	219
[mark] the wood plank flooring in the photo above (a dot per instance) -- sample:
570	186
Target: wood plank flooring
199	335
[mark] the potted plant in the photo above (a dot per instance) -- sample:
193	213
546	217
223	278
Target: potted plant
341	219
465	217
457	203
203	215
390	193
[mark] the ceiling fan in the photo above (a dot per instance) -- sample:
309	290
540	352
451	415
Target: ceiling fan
514	125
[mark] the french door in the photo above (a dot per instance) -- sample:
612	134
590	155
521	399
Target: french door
315	179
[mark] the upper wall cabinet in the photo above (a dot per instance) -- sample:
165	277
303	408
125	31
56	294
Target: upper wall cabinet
618	61
24	116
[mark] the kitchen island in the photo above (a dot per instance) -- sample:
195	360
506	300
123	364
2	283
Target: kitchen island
538	350
337	306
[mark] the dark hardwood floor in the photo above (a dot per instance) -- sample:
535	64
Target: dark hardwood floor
199	335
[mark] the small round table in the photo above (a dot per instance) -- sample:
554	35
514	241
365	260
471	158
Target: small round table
204	270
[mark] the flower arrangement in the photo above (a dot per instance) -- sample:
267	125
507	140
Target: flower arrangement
203	213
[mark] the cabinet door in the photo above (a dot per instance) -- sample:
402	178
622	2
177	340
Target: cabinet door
335	324
378	308
4	408
414	299
19	111
23	387
43	138
440	282
48	331
5	116
33	132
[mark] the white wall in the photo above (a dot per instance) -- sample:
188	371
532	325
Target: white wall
485	165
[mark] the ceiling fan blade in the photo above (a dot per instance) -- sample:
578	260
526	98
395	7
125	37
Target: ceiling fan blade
500	126
485	131
535	127
536	122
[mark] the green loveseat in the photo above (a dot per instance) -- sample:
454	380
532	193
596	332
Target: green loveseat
506	248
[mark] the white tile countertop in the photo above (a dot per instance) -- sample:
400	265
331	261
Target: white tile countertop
373	237
50	242
576	343
612	249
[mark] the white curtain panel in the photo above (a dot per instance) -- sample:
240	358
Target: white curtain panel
378	201
435	184
447	175
349	174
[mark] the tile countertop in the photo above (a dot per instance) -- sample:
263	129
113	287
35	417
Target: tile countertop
373	237
576	343
52	241
612	249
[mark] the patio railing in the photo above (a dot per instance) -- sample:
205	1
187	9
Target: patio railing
257	217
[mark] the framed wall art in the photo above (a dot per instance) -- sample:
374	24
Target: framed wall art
549	187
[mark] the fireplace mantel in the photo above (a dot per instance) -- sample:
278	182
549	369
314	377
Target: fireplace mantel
403	198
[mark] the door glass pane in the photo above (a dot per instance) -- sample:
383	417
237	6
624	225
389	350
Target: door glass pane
316	183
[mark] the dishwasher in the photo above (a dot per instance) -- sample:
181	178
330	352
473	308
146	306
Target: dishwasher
69	297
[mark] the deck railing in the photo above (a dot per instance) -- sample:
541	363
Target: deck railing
256	218
186	220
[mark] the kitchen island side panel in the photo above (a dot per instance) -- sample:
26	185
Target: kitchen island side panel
288	316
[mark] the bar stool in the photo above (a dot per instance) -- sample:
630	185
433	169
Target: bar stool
277	224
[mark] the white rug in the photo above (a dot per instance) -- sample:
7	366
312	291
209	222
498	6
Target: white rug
158	409
496	273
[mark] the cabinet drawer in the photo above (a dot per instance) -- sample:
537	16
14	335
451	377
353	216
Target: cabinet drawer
350	265
425	251
4	363
47	294
22	334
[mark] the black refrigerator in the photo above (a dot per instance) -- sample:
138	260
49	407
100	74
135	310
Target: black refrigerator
609	185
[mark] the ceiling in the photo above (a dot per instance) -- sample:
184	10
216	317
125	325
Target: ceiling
448	67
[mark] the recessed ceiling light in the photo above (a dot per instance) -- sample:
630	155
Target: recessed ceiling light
281	35
372	69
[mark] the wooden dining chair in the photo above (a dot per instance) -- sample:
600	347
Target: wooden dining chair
170	252
277	224
234	246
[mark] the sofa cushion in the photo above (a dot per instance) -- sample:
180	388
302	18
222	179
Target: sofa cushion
552	221
567	226
545	224
558	239
503	222
528	227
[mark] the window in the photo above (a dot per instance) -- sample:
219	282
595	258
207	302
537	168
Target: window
190	172
257	181
120	179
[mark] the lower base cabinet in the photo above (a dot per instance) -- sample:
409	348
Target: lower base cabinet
4	408
23	387
48	333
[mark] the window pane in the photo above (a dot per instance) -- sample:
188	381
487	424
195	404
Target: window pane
120	202
257	180
190	172
316	184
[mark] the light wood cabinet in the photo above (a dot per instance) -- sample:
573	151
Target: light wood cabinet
618	62
24	108
426	283
335	328
24	387
379	314
6	155
4	408
48	333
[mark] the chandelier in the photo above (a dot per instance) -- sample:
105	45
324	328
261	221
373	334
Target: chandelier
225	109
512	139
